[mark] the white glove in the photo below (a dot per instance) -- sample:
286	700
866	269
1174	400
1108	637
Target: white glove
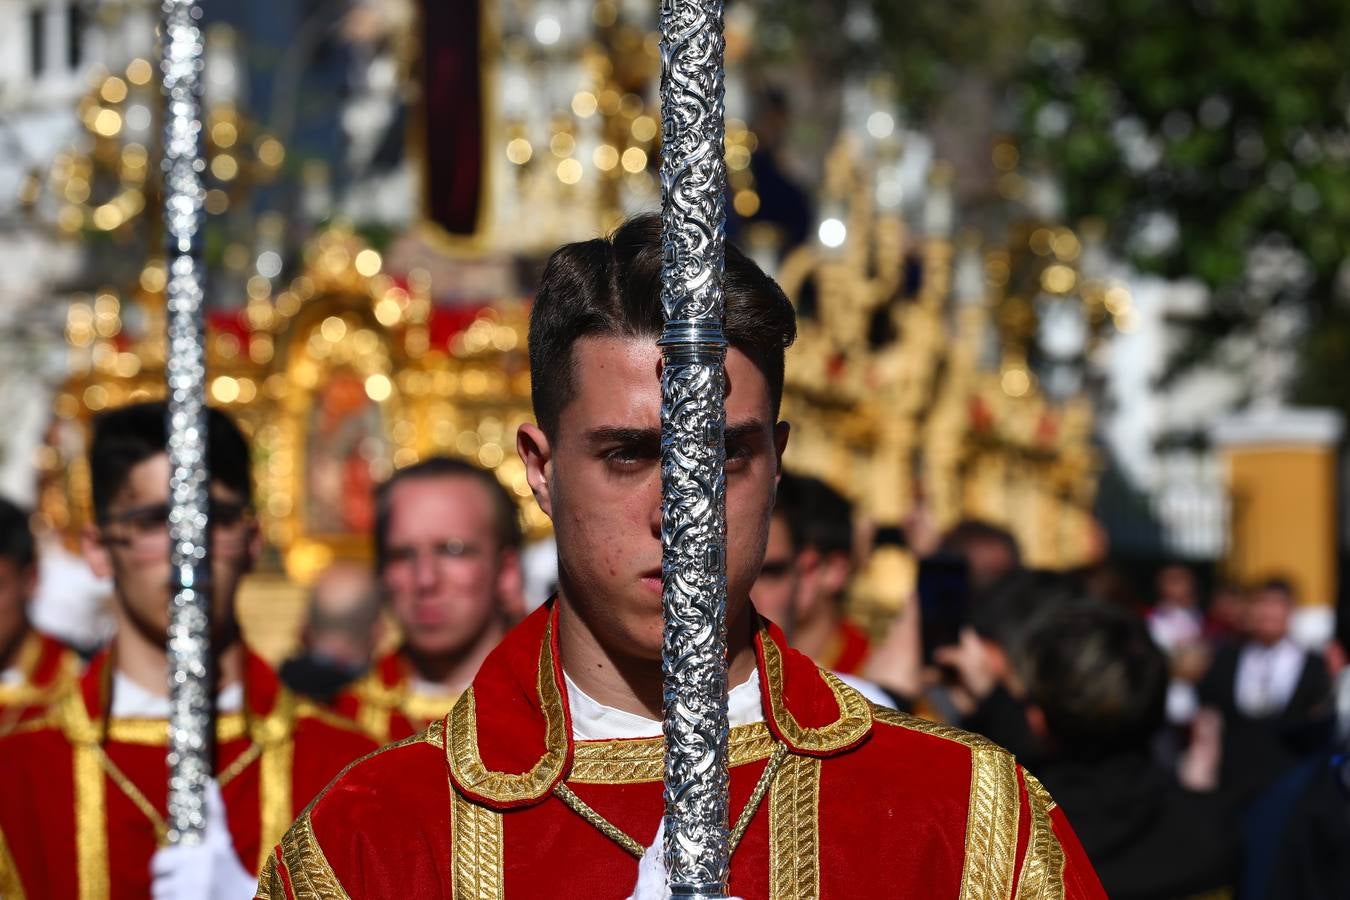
652	879
207	871
653	882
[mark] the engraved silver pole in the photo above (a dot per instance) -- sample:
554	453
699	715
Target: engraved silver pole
693	418
190	677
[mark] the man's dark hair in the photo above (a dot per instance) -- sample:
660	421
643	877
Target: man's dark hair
1009	610
1099	680
129	435
612	286
506	515
16	535
971	530
818	516
1279	584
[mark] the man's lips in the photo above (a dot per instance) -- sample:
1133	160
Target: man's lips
651	580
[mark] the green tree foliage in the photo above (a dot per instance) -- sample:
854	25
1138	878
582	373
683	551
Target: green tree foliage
1213	137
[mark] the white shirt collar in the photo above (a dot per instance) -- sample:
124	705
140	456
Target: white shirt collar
131	701
593	721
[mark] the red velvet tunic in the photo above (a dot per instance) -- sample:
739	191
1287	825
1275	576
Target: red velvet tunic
75	785
865	802
383	704
48	668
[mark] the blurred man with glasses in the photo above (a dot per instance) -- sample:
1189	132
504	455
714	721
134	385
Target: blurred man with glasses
85	790
447	553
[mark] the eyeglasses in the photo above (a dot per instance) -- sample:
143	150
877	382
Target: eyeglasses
144	530
409	554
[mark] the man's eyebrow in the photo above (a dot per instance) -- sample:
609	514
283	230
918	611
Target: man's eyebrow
743	430
616	434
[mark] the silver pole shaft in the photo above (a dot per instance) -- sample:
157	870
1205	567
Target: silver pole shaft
190	675
693	455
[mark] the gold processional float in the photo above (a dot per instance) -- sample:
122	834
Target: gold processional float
912	377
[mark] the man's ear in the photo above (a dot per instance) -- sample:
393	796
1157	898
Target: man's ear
95	552
837	569
255	546
1036	722
780	439
511	585
537	454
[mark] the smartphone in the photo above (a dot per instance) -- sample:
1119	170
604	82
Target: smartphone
944	592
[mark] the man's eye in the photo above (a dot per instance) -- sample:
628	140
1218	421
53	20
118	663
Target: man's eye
625	457
455	549
738	455
400	554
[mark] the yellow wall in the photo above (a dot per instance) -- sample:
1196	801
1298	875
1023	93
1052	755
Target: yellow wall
1284	516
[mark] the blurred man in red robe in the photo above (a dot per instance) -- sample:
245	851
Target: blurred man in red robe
812	525
447	549
545	779
85	788
34	668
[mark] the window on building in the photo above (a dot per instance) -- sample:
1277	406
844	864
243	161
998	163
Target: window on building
75	35
37	41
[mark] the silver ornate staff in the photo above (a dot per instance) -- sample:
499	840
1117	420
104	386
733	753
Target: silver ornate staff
190	716
693	455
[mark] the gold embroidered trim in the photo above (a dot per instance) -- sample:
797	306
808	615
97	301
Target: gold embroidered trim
11	886
275	804
506	787
418	708
637	761
91	823
855	714
155	732
270	886
991	825
937	729
1043	869
16	699
312	877
794	830
476	854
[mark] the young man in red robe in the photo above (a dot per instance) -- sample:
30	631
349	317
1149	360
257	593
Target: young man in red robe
447	551
812	528
545	779
34	668
85	788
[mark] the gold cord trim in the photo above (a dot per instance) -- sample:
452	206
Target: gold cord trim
603	825
506	787
637	761
794	831
11	885
1043	871
476	869
991	825
311	875
855	714
91	823
635	848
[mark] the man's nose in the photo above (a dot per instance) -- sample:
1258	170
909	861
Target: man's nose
652	498
426	570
